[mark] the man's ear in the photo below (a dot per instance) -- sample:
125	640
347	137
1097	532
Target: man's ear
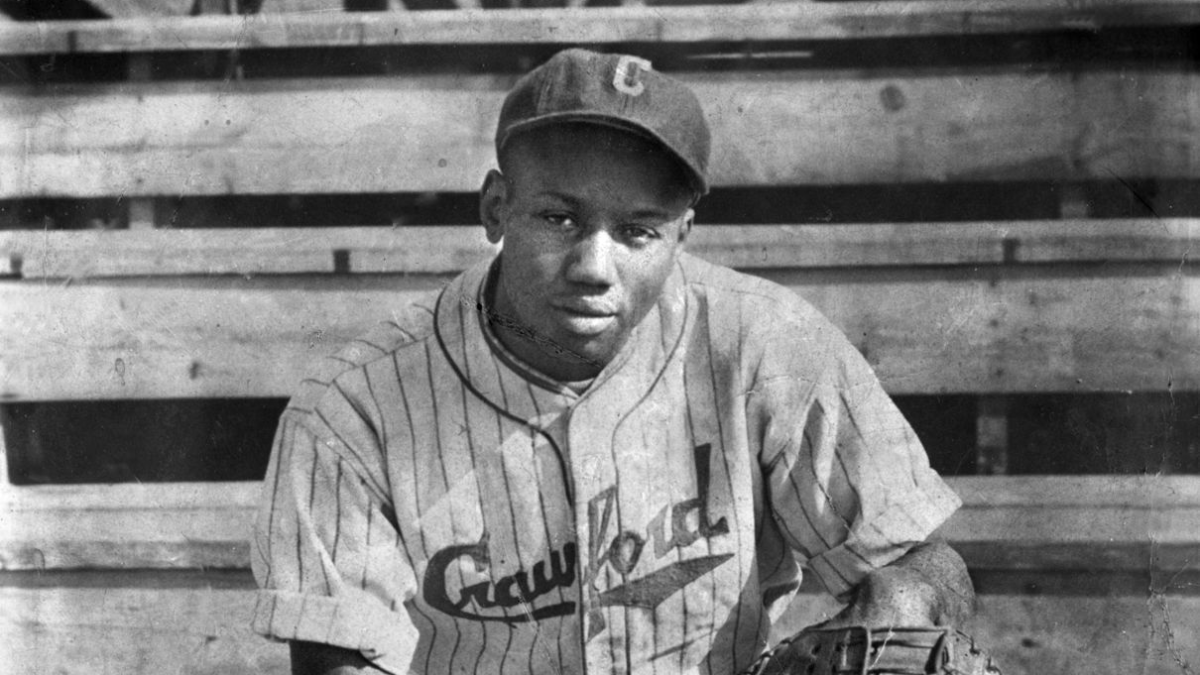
492	199
685	227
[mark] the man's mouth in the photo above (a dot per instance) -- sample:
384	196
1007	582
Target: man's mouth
586	310
583	319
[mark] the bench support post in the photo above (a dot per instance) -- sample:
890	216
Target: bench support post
991	435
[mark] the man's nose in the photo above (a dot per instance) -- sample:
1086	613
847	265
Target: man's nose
592	260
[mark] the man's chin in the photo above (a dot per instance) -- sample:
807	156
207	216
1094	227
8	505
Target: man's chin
595	350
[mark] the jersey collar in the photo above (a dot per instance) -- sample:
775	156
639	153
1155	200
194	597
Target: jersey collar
470	344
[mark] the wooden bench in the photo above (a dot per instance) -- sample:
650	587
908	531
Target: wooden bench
153	577
233	336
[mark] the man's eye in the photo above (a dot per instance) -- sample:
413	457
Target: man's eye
563	220
640	233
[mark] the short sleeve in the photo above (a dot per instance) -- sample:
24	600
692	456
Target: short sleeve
847	480
326	553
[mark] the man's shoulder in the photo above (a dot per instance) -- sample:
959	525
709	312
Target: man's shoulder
762	325
734	294
406	327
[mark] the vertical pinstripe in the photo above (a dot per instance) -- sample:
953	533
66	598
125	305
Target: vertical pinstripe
484	474
483	508
442	419
414	493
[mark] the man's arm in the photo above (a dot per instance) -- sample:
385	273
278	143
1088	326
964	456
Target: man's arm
929	585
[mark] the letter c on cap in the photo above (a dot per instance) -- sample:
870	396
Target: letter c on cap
628	77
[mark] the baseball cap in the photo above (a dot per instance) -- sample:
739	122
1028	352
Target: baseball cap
616	90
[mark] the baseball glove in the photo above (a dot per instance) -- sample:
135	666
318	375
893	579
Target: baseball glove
875	651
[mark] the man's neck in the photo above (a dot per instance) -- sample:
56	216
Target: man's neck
539	352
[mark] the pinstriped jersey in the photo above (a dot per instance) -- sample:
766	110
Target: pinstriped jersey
438	505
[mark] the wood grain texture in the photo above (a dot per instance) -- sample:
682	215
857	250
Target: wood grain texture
115	629
327	7
115	624
763	22
1105	240
244	251
770	128
128	526
190	338
1065	328
198	339
1017	330
446	249
1095	523
86	622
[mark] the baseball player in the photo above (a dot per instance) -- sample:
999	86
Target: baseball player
593	453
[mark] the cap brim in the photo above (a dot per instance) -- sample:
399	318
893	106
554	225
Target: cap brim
611	121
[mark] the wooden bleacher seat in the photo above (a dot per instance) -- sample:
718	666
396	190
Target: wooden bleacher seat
938	330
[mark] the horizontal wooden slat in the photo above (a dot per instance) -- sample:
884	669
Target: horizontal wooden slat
444	249
990	329
1113	523
176	525
143	625
116	253
434	133
117	628
149	628
1158	239
755	23
199	340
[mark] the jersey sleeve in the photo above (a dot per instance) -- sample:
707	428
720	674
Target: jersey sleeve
325	551
846	478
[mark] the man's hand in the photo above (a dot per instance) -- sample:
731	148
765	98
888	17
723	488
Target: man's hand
929	586
892	624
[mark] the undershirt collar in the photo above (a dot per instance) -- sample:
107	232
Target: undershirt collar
487	291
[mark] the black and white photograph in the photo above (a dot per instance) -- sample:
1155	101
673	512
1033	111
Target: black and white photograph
599	337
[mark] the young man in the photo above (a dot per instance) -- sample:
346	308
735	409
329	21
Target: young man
594	453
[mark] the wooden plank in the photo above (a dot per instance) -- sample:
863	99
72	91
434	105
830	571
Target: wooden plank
1140	492
754	23
120	629
114	253
773	128
1106	240
334	7
1013	330
925	330
149	627
178	525
1155	633
1113	523
35	37
751	247
1134	523
199	339
36	254
447	249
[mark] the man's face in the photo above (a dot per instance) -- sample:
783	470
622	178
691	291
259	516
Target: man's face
592	221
